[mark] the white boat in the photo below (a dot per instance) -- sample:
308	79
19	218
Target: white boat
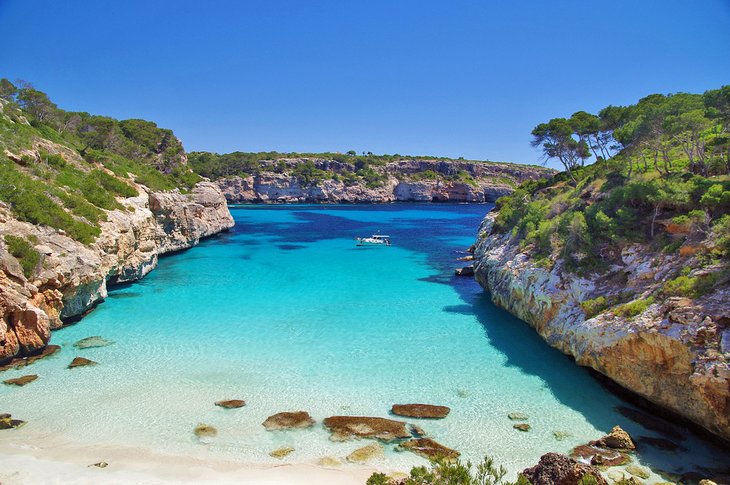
374	240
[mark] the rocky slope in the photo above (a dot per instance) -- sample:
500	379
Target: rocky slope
401	180
73	277
675	352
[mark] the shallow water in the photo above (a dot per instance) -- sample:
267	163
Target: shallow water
286	313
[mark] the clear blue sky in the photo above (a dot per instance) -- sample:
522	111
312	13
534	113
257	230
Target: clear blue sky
449	78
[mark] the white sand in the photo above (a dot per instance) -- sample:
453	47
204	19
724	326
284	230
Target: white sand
21	464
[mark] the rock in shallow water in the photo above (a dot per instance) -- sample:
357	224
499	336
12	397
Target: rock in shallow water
329	461
6	422
617	439
282	452
21	381
288	420
518	416
347	427
366	453
599	456
23	361
638	471
205	431
522	427
231	403
81	362
92	342
557	469
427	411
430	449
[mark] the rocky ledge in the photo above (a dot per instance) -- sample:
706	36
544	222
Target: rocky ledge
675	353
73	277
401	181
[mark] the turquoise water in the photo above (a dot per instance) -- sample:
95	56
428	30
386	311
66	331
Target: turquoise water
286	313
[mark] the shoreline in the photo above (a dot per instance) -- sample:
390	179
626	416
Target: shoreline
23	463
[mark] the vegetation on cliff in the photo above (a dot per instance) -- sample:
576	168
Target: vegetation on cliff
63	169
661	178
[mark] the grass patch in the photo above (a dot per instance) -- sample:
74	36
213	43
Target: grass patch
633	308
23	251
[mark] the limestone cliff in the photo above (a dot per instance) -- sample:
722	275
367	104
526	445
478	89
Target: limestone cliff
400	180
675	352
73	277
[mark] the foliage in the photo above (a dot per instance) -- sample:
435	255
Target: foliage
443	472
23	251
690	286
633	308
594	306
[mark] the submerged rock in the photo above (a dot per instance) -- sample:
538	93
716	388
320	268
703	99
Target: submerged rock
6	422
329	461
638	471
231	403
347	427
599	456
21	362
428	411
522	427
81	362
650	422
518	416
561	435
430	449
659	443
557	469
465	271
92	342
288	420
282	452
101	464
205	431
617	439
21	381
366	453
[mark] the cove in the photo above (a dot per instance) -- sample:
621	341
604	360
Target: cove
288	314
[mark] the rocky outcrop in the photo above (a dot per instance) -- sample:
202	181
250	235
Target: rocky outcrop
348	427
73	277
557	469
402	180
675	353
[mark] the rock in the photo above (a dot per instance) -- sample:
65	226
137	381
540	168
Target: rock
92	342
599	456
28	360
366	453
347	427
518	416
557	469
465	271
707	482
21	381
617	439
6	422
329	461
561	435
81	362
205	431
521	427
416	431
288	420
616	475
101	464
469	257
281	452
231	403
427	411
430	449
638	471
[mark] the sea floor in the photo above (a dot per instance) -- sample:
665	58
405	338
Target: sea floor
286	313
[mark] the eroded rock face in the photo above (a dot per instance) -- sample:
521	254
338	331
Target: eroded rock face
557	469
490	183
428	411
72	277
347	427
675	358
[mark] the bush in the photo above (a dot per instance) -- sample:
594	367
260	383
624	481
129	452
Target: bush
690	286
453	473
634	308
594	306
23	251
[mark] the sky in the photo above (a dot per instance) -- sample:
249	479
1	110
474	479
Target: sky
445	78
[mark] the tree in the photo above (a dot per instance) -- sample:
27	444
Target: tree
587	127
37	104
556	139
7	90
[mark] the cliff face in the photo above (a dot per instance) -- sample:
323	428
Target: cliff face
73	277
402	180
675	353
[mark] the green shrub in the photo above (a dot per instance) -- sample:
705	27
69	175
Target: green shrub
453	473
23	251
633	308
594	306
690	286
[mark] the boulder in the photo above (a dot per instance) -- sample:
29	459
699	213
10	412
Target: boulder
599	456
557	469
347	427
522	427
366	453
101	464
638	471
282	452
6	422
21	381
617	439
416	431
205	431
81	362
231	403
430	449
23	361
288	420
518	416
427	411
465	271
92	342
